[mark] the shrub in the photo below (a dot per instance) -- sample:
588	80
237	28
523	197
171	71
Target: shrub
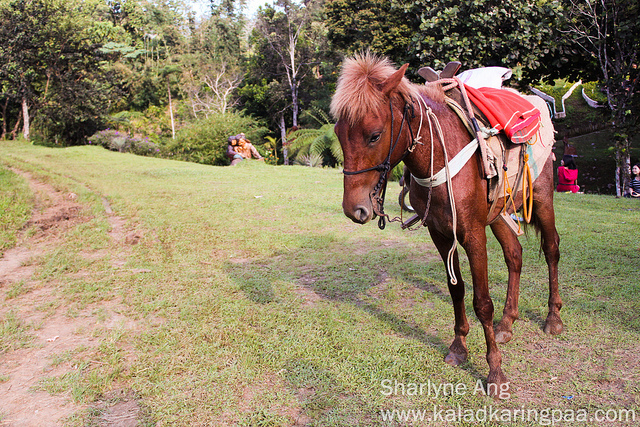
153	121
205	141
313	160
118	141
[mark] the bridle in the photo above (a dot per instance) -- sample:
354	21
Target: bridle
386	166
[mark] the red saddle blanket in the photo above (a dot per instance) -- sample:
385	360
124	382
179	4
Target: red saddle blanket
507	111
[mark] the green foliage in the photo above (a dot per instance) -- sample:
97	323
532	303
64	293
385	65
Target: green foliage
321	142
223	31
379	25
205	141
486	32
312	160
291	66
594	91
270	147
154	122
51	61
119	141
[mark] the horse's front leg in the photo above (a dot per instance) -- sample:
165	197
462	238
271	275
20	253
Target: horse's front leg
458	349
551	248
512	251
476	247
544	218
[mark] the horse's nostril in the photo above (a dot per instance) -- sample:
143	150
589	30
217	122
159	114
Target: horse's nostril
361	214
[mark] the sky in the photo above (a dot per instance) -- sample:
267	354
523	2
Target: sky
202	6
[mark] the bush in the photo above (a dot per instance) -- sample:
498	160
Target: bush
154	121
313	160
118	141
205	141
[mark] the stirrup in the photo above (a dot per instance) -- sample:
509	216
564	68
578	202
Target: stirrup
410	222
517	230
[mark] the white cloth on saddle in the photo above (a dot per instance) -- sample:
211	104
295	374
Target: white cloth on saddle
485	77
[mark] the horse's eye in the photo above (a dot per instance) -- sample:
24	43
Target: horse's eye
375	138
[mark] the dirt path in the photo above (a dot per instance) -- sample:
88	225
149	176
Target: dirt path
42	336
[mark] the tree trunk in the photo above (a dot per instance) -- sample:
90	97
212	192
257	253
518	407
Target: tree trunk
173	128
283	137
14	132
623	163
4	119
25	117
622	145
295	107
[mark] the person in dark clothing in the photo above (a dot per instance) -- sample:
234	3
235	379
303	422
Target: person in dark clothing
634	185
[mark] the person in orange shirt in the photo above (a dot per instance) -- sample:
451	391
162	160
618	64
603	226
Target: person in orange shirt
239	148
246	148
568	175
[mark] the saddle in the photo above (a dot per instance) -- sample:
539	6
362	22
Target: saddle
512	154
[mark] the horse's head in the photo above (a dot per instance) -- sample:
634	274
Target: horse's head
368	103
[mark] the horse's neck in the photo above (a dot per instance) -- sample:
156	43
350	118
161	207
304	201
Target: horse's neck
432	121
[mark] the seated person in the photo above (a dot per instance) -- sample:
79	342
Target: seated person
567	175
246	149
232	152
634	185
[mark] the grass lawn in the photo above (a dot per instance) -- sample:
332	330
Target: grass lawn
251	300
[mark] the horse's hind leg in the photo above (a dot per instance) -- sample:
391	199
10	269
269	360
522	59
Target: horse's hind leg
458	349
512	251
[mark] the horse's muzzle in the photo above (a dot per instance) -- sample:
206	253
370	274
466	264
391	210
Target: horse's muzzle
359	214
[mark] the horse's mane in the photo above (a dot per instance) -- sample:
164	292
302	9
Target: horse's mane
357	93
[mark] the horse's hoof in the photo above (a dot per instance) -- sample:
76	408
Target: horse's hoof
553	325
503	337
455	359
498	385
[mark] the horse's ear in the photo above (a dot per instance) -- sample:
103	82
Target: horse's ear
393	80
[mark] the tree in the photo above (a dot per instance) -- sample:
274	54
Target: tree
609	32
50	62
224	31
213	69
284	32
379	25
210	89
516	34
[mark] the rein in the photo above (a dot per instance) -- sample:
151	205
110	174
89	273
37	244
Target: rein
386	166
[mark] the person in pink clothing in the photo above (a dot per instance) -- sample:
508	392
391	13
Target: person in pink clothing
567	175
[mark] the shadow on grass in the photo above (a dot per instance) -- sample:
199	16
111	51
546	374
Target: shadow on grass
336	279
535	318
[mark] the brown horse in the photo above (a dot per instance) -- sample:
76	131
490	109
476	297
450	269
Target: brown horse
382	119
